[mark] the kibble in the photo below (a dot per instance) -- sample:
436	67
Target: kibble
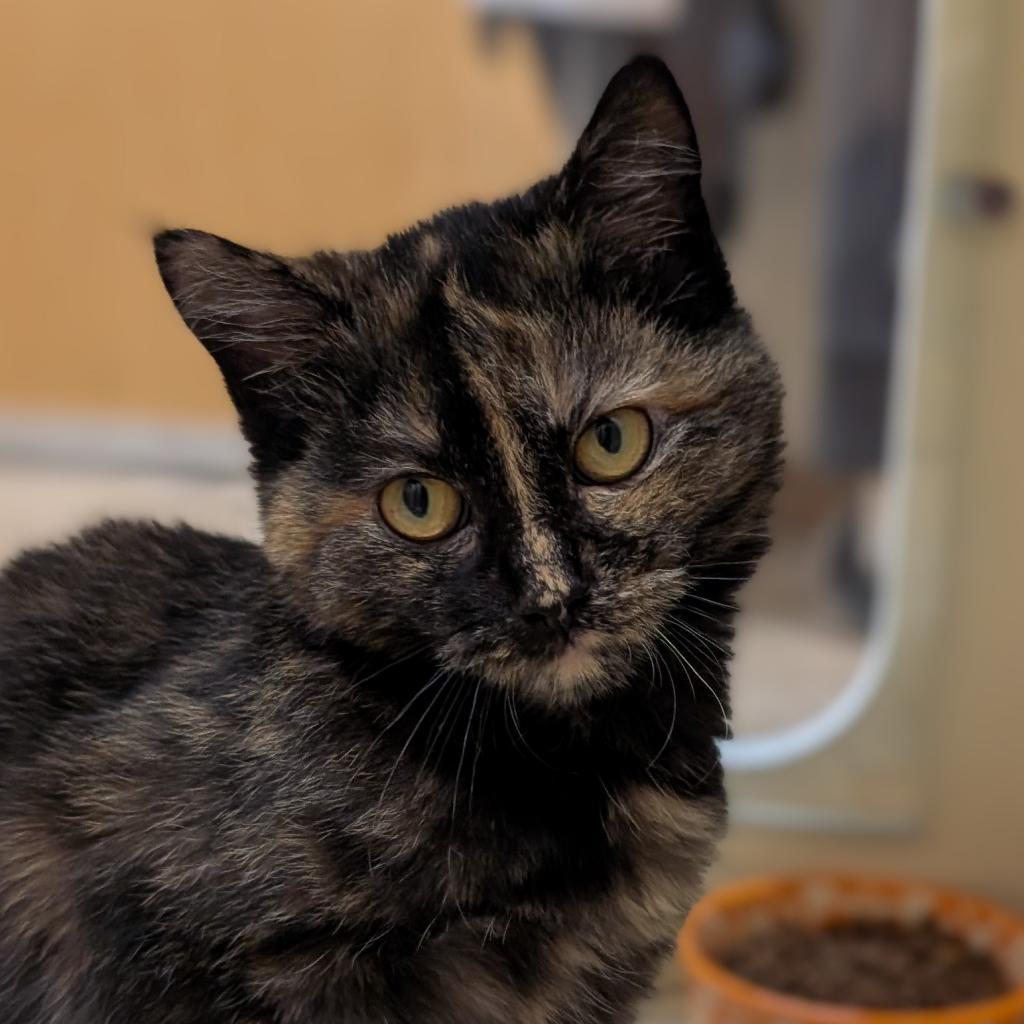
878	965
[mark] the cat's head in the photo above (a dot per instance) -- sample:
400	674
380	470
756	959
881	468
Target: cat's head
517	436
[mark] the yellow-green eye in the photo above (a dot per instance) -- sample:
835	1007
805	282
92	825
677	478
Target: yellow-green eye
421	507
614	446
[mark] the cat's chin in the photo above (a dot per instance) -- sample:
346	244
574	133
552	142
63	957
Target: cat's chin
578	672
579	663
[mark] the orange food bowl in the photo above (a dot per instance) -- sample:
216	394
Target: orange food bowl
718	995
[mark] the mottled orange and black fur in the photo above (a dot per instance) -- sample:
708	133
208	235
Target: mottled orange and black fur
337	778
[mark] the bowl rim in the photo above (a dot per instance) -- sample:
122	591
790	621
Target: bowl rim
702	967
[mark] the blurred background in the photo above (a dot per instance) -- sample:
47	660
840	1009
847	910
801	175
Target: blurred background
860	164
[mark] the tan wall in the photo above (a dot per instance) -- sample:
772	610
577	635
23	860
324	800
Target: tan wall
968	719
284	125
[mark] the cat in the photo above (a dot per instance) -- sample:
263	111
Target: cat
443	748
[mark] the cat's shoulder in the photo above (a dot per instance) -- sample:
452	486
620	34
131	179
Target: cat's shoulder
83	623
122	559
121	588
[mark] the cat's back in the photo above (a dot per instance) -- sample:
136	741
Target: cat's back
85	622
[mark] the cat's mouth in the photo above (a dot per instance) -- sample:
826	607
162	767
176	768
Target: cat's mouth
577	659
563	672
592	657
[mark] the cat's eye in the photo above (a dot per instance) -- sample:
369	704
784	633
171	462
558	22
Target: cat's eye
614	446
421	507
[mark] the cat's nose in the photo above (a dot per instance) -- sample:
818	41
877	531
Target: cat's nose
553	619
547	619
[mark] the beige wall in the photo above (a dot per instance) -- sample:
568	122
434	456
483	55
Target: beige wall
283	125
967	719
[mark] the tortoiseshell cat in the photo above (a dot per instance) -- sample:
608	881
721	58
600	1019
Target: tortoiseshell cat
443	749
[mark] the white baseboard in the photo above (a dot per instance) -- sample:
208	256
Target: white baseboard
121	445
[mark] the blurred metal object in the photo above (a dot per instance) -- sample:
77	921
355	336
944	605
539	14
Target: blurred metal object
977	197
732	61
872	52
626	15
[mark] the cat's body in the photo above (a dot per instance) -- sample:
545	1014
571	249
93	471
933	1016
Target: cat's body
232	839
355	778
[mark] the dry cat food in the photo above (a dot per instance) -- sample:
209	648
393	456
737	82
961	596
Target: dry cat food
880	965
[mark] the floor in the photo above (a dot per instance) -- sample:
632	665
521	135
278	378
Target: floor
669	1006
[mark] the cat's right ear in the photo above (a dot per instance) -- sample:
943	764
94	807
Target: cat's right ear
633	181
256	317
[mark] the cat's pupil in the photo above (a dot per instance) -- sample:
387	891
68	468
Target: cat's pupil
416	498
609	436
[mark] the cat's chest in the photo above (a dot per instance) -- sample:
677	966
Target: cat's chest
663	844
522	916
638	851
655	850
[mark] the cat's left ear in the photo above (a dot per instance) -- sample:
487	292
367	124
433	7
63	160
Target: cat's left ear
257	317
633	181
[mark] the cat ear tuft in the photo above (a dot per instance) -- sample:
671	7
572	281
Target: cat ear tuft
248	308
634	178
253	314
